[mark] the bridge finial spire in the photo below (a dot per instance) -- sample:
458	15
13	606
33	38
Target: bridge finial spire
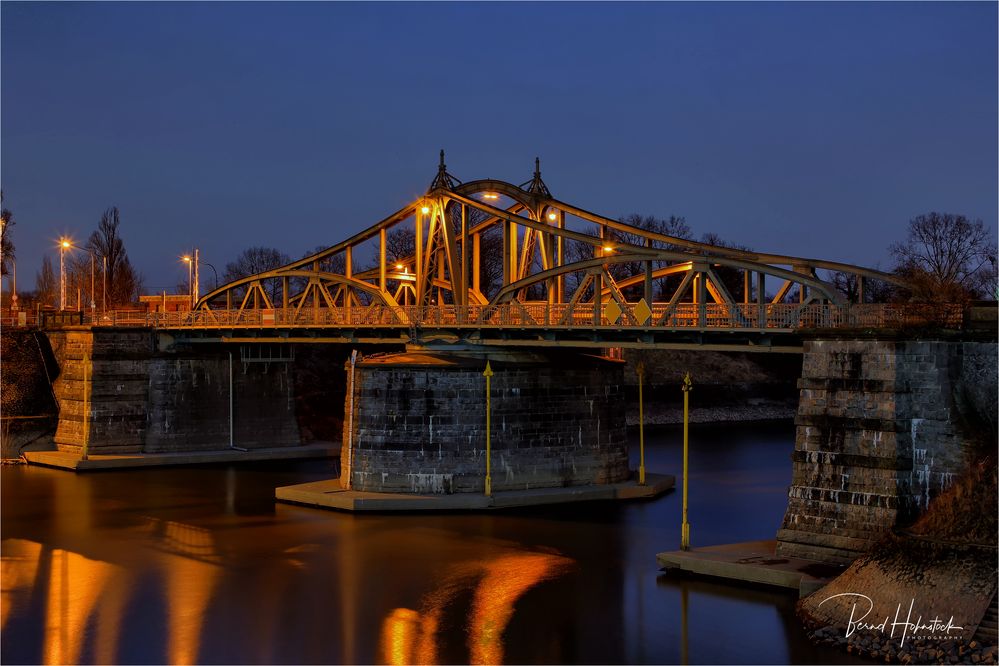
443	180
536	185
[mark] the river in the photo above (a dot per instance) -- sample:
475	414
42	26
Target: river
200	565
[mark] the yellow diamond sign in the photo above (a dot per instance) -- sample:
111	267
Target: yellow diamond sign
642	312
612	311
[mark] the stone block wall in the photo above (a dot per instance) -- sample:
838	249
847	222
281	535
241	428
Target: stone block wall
118	384
878	436
189	404
418	423
143	400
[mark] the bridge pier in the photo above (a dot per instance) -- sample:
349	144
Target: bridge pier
415	422
884	424
144	396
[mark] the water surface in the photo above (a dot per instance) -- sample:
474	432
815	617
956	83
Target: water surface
200	565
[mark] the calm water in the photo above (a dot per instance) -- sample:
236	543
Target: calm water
201	565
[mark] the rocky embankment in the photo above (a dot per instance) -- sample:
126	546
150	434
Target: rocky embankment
28	412
727	386
924	595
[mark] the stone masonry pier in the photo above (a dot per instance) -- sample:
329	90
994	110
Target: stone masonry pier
145	397
418	422
883	426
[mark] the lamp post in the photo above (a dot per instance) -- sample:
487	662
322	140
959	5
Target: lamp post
194	275
63	246
214	272
190	278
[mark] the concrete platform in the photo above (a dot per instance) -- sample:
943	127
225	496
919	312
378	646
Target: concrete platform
73	461
329	495
752	562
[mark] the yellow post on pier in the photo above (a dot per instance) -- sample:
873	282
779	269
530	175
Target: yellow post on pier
488	374
685	526
640	370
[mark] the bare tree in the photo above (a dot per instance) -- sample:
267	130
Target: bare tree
399	244
732	278
124	283
875	291
256	260
946	258
45	283
6	244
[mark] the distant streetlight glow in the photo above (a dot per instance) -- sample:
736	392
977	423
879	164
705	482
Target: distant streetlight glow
608	249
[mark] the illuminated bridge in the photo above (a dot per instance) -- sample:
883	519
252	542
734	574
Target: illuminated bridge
487	262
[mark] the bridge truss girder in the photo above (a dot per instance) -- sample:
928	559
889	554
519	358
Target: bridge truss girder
447	260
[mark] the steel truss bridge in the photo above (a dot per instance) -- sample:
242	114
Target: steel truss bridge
566	276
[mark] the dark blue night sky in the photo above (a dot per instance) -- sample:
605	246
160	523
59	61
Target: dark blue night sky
811	129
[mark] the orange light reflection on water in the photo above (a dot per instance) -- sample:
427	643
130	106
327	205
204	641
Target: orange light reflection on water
409	637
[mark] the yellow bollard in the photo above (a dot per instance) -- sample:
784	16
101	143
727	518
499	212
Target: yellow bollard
488	374
87	370
685	526
640	370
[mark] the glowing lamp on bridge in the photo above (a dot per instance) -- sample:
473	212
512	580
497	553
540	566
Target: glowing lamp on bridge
552	216
608	249
425	210
490	195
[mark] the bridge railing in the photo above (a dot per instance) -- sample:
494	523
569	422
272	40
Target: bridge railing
708	316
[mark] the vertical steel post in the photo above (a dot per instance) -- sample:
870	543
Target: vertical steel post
418	268
488	374
648	277
463	299
87	377
685	526
382	242
640	369
761	299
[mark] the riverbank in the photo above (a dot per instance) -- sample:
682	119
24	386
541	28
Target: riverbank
923	595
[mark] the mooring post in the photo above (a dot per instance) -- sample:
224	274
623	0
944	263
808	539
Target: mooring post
685	526
488	374
640	369
87	372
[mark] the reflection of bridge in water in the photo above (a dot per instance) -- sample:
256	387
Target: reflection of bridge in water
488	262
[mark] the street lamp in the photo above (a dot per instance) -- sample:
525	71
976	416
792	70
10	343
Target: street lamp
190	278
64	245
194	277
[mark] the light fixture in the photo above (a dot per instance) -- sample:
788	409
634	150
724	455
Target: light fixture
398	267
608	248
490	195
552	216
425	210
186	258
65	244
